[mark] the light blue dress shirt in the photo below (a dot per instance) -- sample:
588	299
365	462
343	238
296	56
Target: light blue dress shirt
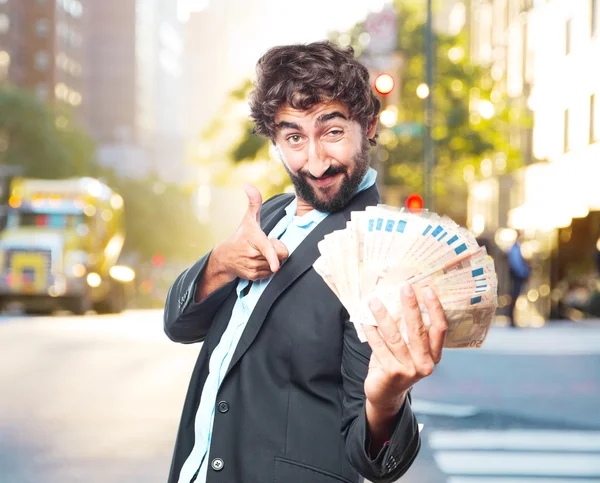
291	230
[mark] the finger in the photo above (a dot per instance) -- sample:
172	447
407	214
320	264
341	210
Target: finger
280	248
257	264
418	336
254	202
258	274
390	332
382	352
265	247
439	324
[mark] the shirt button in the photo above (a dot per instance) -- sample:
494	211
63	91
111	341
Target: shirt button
217	464
223	406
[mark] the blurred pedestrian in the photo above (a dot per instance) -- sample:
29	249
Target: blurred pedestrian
283	389
519	274
598	255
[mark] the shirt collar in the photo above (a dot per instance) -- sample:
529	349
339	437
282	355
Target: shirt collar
368	180
305	220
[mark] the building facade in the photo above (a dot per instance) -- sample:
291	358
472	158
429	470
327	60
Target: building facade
543	55
42	49
110	67
160	87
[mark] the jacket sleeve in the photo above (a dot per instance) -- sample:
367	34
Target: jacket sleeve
187	321
395	458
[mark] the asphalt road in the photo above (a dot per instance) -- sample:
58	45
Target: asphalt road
97	399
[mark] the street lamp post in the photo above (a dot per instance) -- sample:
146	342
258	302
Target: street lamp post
429	148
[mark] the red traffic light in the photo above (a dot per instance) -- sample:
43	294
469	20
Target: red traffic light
384	84
158	260
414	203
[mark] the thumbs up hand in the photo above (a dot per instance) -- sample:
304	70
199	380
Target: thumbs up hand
248	253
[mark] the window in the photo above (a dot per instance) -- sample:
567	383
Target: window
566	132
594	119
568	37
4	65
74	7
4	59
42	28
42	90
4	23
75	39
593	17
43	220
41	59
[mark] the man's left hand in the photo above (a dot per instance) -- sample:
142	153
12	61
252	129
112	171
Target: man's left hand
396	366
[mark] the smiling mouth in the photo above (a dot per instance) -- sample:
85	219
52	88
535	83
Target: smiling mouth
325	181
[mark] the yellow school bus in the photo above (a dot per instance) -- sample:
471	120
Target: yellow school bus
61	245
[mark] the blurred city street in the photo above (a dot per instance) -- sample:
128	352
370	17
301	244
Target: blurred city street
89	399
96	399
129	133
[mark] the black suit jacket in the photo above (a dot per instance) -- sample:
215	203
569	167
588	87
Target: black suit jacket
294	390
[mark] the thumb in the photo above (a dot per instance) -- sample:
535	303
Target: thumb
254	201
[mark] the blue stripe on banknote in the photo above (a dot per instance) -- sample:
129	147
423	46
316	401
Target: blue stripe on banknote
460	248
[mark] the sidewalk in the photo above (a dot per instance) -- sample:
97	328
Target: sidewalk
555	337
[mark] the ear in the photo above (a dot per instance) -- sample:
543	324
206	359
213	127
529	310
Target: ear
372	127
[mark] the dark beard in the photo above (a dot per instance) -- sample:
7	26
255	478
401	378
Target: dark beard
350	184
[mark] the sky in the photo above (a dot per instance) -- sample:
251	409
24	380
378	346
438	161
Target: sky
308	19
244	29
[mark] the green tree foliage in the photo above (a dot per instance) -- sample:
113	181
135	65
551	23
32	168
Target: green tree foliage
159	219
231	154
41	139
46	143
463	137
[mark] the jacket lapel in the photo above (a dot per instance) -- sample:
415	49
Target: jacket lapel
299	262
268	222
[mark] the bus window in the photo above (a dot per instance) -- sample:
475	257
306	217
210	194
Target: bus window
42	220
57	221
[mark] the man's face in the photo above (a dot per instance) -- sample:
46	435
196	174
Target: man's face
325	153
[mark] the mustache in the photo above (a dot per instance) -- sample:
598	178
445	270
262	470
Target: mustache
331	171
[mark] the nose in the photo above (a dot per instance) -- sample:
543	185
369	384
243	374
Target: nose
318	162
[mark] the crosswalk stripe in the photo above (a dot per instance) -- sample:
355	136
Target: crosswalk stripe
494	479
523	464
550	340
423	407
529	440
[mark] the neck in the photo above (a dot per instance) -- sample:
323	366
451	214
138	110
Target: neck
302	207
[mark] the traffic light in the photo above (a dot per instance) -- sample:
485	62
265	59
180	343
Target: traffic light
158	260
414	203
384	84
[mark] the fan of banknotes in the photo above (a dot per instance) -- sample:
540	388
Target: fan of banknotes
383	248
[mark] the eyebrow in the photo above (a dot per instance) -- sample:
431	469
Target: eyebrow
332	115
321	120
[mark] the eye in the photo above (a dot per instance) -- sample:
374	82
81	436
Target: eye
294	139
335	132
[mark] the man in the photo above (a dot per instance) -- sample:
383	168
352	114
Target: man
519	273
283	390
598	255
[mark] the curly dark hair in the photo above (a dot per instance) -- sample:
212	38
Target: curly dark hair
304	75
